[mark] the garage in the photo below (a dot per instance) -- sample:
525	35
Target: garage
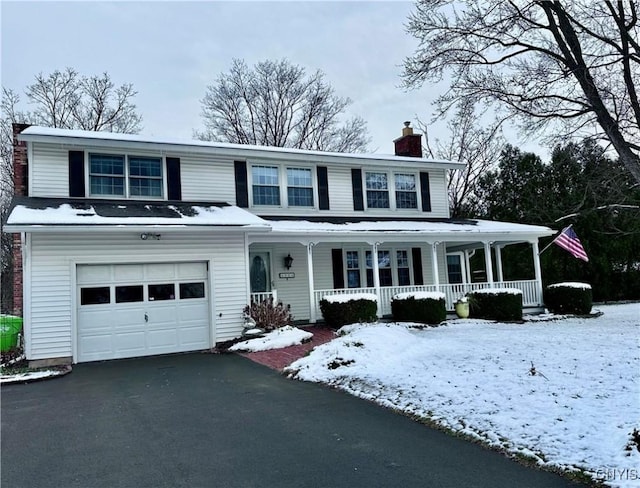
131	310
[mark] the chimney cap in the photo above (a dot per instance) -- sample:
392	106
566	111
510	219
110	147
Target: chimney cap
407	123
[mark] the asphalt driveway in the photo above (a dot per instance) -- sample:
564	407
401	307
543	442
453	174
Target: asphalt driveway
201	420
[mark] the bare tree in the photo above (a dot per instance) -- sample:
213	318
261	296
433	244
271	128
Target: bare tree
61	99
470	142
275	103
567	68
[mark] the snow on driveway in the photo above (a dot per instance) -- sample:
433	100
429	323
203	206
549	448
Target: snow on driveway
577	411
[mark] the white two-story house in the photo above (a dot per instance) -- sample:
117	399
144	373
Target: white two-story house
129	246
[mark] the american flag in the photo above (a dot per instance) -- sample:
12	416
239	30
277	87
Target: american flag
569	240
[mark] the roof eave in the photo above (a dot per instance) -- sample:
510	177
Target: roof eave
170	228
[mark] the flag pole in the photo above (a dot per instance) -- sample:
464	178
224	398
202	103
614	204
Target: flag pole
561	232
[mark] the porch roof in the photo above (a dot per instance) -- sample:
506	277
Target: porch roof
460	231
33	214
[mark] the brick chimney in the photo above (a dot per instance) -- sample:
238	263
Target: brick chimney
409	144
20	188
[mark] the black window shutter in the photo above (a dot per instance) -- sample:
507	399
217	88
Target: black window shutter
426	193
356	182
242	188
323	188
174	182
338	268
416	255
76	174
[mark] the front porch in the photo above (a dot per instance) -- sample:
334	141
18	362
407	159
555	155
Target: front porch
530	294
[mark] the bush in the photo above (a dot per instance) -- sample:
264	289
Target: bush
425	308
339	310
268	316
501	304
575	298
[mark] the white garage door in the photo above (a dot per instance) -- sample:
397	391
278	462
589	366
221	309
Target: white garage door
129	310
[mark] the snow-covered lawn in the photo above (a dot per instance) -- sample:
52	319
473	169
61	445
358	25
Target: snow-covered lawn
283	337
563	392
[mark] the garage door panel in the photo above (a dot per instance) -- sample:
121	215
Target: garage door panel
119	330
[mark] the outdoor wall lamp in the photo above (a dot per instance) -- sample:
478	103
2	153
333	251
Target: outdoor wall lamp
288	261
144	236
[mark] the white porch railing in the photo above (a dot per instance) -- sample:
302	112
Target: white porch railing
264	295
529	289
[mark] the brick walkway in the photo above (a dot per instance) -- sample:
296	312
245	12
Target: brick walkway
279	359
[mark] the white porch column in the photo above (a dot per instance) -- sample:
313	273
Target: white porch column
312	295
499	262
488	262
434	265
537	270
467	266
376	275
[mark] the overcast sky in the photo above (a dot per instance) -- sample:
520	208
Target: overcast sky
171	51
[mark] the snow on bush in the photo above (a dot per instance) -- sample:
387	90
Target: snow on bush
571	284
420	295
350	297
498	291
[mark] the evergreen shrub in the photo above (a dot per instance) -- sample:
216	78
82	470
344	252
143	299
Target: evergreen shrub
501	304
571	298
425	308
339	310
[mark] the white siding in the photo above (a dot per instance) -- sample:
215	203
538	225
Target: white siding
439	199
207	180
52	278
49	171
340	190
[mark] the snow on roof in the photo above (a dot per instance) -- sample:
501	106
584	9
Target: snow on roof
38	133
59	212
408	227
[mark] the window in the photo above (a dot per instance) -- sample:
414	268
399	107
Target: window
377	190
454	268
299	187
162	292
266	187
353	270
106	174
191	290
406	196
402	263
384	268
145	177
128	294
95	296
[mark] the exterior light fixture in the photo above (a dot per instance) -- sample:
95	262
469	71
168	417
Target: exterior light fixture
288	261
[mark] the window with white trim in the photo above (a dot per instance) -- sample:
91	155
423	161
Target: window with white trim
266	185
455	268
299	187
402	267
377	186
117	175
353	269
406	193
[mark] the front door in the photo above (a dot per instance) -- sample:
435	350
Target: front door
260	272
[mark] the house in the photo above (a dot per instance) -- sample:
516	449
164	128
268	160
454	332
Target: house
127	245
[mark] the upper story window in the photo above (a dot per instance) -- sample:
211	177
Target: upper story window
114	175
299	187
106	175
266	186
406	195
379	185
377	190
145	177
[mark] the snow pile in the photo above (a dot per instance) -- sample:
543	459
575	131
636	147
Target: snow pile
420	295
283	337
571	284
32	375
498	291
564	393
347	298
